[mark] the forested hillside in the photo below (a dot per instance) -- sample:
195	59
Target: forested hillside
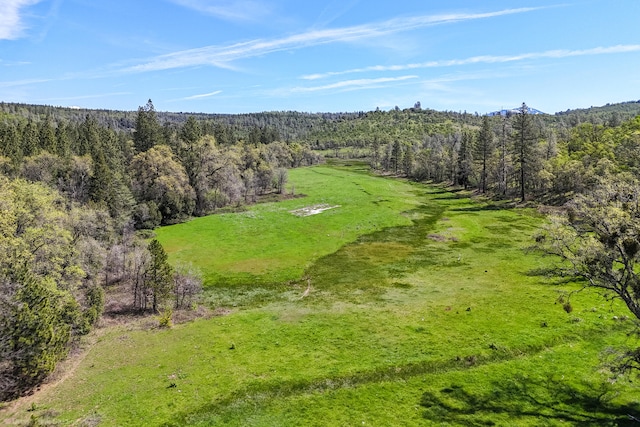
75	185
72	193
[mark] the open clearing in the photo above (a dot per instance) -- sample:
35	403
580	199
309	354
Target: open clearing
421	308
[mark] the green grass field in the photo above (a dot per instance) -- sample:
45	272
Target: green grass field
406	305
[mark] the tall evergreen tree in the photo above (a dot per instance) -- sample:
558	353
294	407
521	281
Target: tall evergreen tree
148	132
47	136
396	156
504	155
408	160
10	143
524	140
465	159
88	140
63	140
159	275
101	181
483	151
30	139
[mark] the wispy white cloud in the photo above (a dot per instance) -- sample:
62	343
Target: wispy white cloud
202	95
11	22
483	59
222	56
80	97
353	84
232	10
4	63
24	82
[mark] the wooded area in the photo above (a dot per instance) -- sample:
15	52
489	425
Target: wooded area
78	189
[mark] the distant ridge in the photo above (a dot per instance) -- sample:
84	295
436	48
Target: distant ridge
514	111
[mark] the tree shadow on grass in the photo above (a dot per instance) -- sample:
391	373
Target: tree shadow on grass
521	399
555	275
490	207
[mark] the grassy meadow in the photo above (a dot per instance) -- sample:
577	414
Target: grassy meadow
403	305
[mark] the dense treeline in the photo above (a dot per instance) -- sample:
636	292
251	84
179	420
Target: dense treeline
158	173
322	130
73	193
519	155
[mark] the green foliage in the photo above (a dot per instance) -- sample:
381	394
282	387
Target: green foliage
147	133
599	239
44	319
41	271
95	300
158	275
159	178
164	319
436	305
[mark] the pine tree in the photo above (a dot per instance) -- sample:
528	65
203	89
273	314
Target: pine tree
465	159
396	156
63	141
408	160
30	139
101	181
47	136
524	140
483	150
159	275
147	133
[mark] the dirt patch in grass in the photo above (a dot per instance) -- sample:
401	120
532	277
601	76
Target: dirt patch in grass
313	210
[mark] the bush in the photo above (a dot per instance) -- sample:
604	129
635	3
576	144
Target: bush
164	320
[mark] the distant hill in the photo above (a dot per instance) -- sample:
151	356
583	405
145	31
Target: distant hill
628	107
514	111
318	129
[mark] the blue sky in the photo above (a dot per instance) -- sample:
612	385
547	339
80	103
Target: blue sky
235	56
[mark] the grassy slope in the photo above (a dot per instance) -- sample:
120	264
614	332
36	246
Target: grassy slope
437	319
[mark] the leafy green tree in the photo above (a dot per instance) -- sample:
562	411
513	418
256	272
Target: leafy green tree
598	240
43	167
159	178
196	155
39	277
36	320
264	177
